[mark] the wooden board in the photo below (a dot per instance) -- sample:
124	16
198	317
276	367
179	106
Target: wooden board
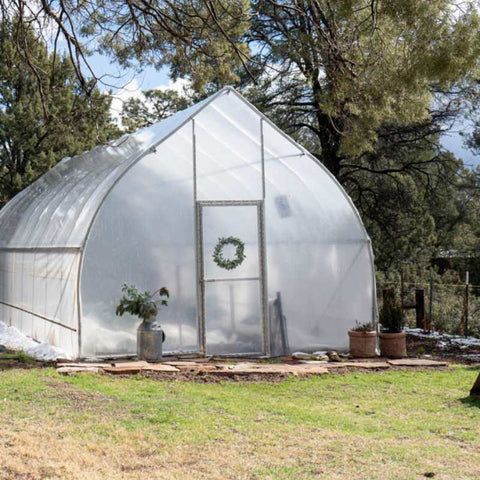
133	363
369	365
82	365
160	367
122	370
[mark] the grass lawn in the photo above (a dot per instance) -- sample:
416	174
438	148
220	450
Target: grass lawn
391	425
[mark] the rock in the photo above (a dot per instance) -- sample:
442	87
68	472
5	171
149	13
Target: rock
4	349
333	356
301	356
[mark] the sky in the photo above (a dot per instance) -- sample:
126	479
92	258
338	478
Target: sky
124	84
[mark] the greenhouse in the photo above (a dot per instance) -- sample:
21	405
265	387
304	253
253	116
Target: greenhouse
260	247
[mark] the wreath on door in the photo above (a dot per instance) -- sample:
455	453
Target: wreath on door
226	263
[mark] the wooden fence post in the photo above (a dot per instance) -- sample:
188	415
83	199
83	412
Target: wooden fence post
420	307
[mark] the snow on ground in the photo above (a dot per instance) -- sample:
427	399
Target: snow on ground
444	338
15	339
451	345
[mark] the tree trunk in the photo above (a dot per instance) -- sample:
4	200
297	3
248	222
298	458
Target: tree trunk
328	134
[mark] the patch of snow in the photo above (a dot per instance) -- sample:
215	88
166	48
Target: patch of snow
15	339
444	338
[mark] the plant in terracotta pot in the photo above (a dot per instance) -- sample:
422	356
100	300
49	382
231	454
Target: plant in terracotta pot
150	335
363	340
392	337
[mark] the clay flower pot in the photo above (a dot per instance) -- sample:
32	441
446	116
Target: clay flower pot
393	345
362	344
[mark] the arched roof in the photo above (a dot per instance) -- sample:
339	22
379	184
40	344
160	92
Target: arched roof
58	209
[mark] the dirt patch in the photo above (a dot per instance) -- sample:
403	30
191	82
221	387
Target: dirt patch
205	377
201	377
78	399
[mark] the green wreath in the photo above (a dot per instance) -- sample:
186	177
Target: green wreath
223	262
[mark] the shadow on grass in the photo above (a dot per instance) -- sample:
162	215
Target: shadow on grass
474	367
471	401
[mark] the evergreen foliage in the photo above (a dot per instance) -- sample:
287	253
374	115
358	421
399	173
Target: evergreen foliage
391	314
44	113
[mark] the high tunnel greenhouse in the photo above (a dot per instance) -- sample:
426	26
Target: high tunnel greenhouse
262	250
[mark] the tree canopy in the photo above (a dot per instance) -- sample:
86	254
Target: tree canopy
368	86
44	113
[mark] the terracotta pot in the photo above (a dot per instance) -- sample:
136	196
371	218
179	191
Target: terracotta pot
362	344
393	345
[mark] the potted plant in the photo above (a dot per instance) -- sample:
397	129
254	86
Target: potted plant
150	335
392	337
363	340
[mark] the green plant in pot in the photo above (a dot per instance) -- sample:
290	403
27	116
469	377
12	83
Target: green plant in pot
392	337
150	335
363	340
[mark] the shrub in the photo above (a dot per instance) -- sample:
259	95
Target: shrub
391	314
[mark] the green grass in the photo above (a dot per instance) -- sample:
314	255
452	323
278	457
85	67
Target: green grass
397	424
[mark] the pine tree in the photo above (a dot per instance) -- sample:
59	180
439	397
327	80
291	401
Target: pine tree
44	113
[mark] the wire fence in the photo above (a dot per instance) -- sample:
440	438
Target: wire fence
447	307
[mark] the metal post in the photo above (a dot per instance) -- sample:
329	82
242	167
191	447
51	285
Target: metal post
467	281
430	303
179	309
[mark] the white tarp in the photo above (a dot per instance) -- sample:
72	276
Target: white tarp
11	337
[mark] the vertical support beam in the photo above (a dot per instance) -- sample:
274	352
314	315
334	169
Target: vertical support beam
179	306
262	250
263	278
262	147
198	249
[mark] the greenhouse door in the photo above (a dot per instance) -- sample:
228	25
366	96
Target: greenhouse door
231	279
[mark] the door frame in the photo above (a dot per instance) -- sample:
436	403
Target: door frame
262	277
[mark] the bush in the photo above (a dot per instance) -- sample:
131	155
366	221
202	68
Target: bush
391	314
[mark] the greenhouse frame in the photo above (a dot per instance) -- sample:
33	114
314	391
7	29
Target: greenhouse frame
262	250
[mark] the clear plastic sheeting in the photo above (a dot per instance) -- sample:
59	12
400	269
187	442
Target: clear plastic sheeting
228	151
58	209
144	235
150	208
38	295
233	302
233	318
318	254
